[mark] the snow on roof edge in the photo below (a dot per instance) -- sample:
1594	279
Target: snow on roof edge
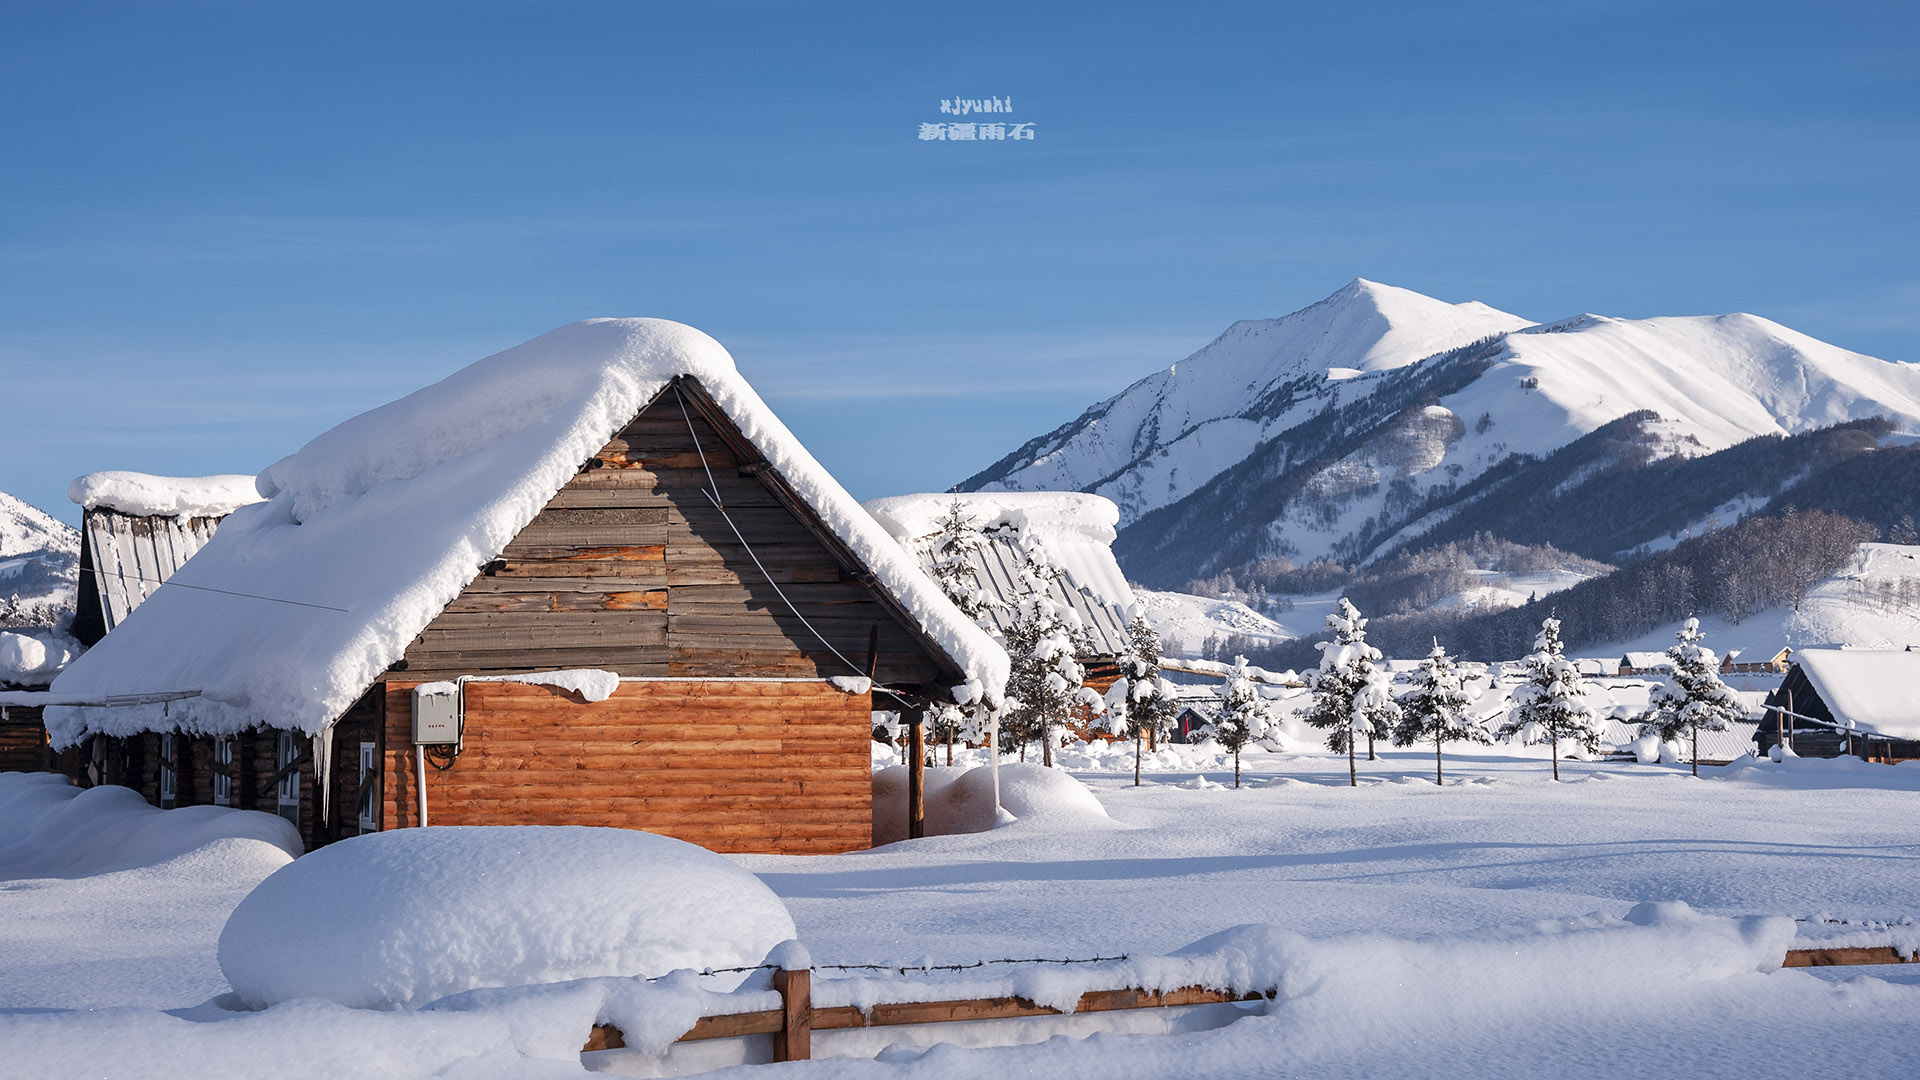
416	467
145	495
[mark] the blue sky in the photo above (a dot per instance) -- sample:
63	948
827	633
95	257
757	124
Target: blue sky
226	227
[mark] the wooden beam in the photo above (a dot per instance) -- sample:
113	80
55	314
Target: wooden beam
1007	1008
799	1016
765	1022
1885	954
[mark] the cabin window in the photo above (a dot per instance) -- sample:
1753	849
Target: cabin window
288	790
369	787
168	782
222	771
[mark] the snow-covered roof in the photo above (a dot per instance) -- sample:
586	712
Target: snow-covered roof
163	496
372	528
1075	529
1078	529
1873	690
1644	660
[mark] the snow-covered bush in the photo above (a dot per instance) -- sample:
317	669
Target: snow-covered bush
402	918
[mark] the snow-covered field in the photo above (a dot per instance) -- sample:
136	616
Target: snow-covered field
1473	930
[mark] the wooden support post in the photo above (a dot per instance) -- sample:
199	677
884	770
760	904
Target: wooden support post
917	772
794	1041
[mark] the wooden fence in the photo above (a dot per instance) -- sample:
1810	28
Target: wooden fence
793	1024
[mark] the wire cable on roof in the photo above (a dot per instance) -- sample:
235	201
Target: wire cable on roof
713	496
102	573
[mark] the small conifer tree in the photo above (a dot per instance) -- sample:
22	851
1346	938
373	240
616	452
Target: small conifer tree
1243	715
1693	697
1551	705
1436	709
1141	703
1351	698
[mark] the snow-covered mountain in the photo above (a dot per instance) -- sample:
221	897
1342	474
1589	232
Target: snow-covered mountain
39	563
1363	419
1165	436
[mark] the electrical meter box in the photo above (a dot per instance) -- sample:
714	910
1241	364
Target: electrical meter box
436	714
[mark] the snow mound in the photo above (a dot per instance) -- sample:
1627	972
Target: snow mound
403	918
960	800
1029	792
30	656
166	496
56	830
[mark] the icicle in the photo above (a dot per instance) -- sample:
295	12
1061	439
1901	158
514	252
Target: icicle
323	772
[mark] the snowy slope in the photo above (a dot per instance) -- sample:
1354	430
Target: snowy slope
1714	379
1872	601
39	561
1257	447
1166	435
1186	622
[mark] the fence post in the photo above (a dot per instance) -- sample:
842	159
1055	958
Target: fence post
795	1040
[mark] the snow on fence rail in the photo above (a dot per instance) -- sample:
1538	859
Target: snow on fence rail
792	1024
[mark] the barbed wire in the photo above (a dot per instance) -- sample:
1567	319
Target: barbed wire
904	968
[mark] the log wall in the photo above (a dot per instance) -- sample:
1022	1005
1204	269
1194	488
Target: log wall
23	741
735	766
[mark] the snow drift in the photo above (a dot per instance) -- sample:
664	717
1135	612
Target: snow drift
56	830
960	800
403	918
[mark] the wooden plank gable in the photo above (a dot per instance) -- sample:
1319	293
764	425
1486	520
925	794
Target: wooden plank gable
632	568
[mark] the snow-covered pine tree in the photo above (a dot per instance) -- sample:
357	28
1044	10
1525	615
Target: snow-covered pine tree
1141	703
1047	681
1350	693
1243	715
1550	704
1693	697
950	550
1436	709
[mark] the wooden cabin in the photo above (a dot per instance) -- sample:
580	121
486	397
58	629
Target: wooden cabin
1847	702
740	596
1645	663
1777	664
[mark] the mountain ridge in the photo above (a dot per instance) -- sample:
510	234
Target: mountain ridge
1278	450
